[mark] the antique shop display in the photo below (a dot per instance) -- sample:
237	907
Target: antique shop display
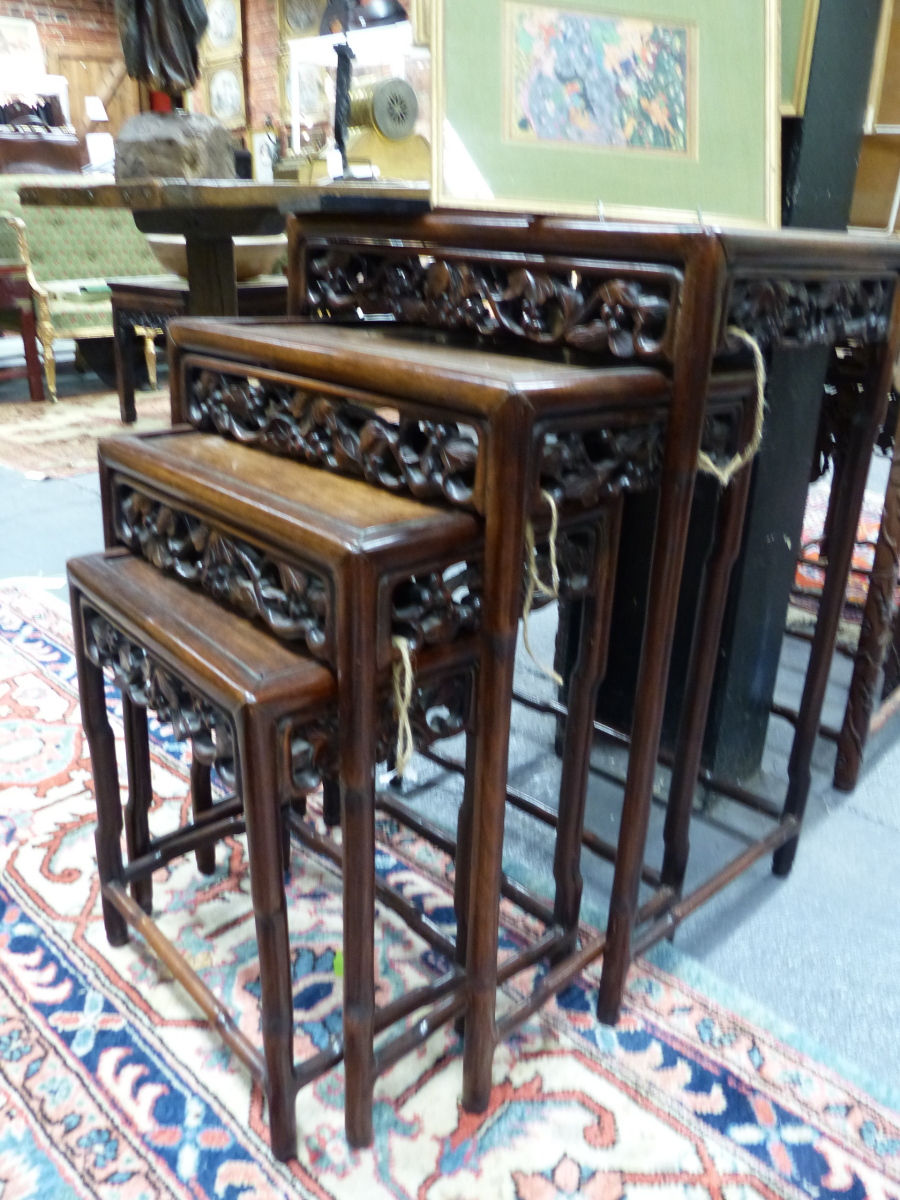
625	110
65	257
209	214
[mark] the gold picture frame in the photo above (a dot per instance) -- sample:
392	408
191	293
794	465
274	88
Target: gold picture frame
224	37
223	86
733	80
299	18
799	21
421	16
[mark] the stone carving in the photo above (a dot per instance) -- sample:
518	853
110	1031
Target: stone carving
152	686
294	603
816	313
429	459
597	310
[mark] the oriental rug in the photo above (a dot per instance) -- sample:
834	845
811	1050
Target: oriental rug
112	1086
54	441
810	575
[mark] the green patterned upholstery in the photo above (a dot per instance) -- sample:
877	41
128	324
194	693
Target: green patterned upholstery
75	243
89	245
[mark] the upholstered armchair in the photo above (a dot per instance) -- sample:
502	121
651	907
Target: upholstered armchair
68	254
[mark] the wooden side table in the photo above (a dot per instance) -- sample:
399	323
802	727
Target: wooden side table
146	303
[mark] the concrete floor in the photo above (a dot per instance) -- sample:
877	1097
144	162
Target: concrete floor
819	950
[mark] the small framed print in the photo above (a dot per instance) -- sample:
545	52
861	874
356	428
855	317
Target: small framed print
264	150
223	33
632	109
225	93
300	18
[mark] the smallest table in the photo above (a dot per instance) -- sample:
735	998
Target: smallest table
148	302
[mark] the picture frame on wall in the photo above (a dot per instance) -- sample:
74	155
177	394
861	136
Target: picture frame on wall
799	21
224	35
630	109
224	87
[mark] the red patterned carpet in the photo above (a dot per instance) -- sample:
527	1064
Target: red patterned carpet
111	1086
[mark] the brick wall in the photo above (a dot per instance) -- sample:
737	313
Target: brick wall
67	21
261	47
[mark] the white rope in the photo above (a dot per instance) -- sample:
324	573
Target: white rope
725	474
537	586
403	685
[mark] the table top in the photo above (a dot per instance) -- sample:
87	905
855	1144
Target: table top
154	284
160	195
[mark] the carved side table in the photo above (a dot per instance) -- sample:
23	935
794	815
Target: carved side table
261	712
483	431
143	306
553	285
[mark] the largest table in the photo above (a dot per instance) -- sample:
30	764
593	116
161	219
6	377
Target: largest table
604	294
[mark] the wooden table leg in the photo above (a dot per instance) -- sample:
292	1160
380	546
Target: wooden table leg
702	284
841	543
102	746
701	673
140	795
593	644
32	361
211	277
503	561
201	802
875	638
259	785
123	352
356	717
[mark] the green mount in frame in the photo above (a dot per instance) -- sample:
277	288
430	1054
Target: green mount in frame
799	19
535	108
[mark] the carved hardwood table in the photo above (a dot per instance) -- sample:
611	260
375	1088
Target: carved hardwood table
149	302
326	566
555	285
323	563
494	433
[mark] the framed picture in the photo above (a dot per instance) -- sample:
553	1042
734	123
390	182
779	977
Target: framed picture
799	19
225	93
631	109
300	18
223	38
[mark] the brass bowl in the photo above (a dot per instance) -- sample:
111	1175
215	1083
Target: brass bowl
252	255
